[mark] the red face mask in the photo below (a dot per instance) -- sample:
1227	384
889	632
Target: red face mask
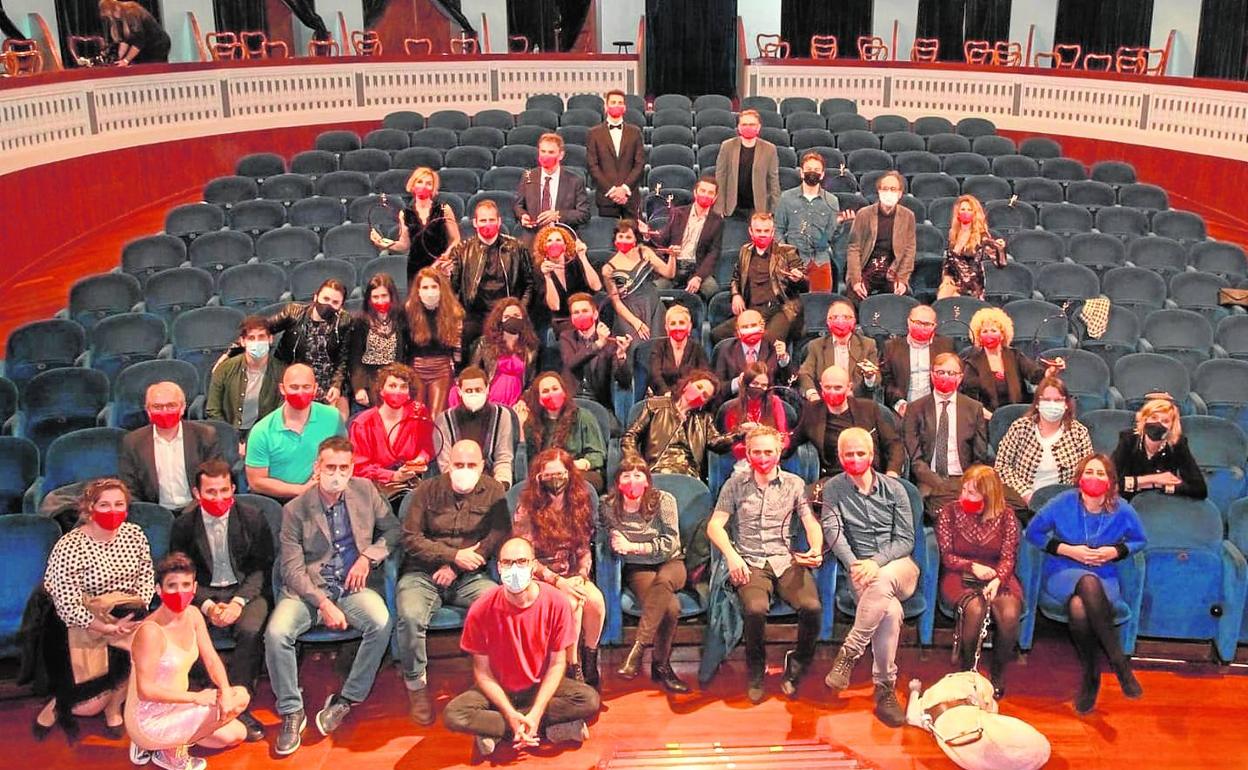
695	399
1093	486
752	337
944	384
488	232
616	111
218	507
835	399
553	402
841	328
856	466
556	248
624	246
748	132
679	334
109	520
973	507
922	333
396	399
165	420
177	601
548	162
633	489
763	465
583	322
705	201
382	308
990	339
761	242
965	217
300	400
423	193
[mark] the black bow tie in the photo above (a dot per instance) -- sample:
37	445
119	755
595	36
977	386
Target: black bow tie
615	128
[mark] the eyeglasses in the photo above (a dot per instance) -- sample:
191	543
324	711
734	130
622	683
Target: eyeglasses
505	563
947	372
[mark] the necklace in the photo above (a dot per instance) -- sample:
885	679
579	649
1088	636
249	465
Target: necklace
1090	539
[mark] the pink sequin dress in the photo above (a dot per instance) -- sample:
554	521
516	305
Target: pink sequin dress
153	725
508	382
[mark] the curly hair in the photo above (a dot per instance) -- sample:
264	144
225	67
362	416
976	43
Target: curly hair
694	375
978	225
539	242
91	495
397	370
564	526
449	317
612	507
492	345
998	318
566	418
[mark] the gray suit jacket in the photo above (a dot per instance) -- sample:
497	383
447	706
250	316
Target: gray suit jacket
766	176
305	543
819	355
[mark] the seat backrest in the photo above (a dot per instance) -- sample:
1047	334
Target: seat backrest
156	523
1138	374
1173	521
1221	381
98	296
1105	425
1215	442
26	542
90	453
1171	329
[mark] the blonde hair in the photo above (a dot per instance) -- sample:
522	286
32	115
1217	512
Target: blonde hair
1156	407
995	316
855	434
978	225
764	431
749	114
987	483
94	490
424	172
677	310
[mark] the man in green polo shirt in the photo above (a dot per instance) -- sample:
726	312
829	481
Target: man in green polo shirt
282	445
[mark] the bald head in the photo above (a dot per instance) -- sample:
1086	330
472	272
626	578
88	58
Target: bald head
832	376
748	317
466	453
298	374
515	548
165	394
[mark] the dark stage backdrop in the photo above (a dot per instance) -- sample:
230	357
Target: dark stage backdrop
239	15
691	47
1100	26
953	22
538	19
847	19
1222	46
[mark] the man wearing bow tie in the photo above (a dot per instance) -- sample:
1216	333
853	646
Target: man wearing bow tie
617	156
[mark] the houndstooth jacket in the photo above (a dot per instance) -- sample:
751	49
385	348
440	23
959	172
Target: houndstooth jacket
1018	454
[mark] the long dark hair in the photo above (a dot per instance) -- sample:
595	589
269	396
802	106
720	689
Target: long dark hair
382	281
493	346
612	508
562	526
742	401
564	420
448	319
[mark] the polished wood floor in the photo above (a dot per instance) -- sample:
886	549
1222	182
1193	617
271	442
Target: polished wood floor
1191	716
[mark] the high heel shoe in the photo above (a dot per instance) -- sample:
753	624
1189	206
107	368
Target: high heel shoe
40	731
631	666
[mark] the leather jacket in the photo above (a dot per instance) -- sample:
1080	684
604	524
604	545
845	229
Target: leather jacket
782	257
291	321
469	260
652	432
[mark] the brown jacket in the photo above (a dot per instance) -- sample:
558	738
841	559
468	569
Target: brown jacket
862	242
782	257
654	427
437	522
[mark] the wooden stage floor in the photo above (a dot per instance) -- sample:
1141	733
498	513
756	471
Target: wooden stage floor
1191	716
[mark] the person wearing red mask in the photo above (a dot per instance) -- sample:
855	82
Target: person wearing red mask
997	374
164	718
674	433
643	532
630	276
882	244
427	230
907	363
616	155
563	262
1086	533
681	351
593	359
747	170
231	547
769	277
944	433
871	512
695	234
554	419
760	563
978	537
845	347
282	447
753	345
837	410
379	337
550	193
970	246
394	440
84	635
485	269
157	461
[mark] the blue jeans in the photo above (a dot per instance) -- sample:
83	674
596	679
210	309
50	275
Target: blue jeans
366	612
416	599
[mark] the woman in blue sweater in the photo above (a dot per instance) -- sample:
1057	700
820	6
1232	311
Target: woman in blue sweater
1085	532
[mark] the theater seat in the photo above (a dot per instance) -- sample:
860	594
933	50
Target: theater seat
1138	374
1183	335
19	467
59	401
128	408
250	288
170	293
42	345
82	455
121	340
25	544
101	295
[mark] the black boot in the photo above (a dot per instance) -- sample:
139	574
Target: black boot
589	667
666	678
661	659
631	666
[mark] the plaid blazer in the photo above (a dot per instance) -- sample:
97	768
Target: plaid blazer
1018	454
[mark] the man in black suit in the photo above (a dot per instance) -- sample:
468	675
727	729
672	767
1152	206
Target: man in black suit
695	234
231	546
550	193
158	460
616	155
945	433
907	363
751	345
822	422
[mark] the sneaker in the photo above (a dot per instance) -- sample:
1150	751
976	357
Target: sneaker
483	746
290	734
330	717
842	667
887	708
178	759
139	756
568	732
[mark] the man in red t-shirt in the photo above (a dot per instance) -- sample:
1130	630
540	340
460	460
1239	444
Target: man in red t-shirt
517	634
